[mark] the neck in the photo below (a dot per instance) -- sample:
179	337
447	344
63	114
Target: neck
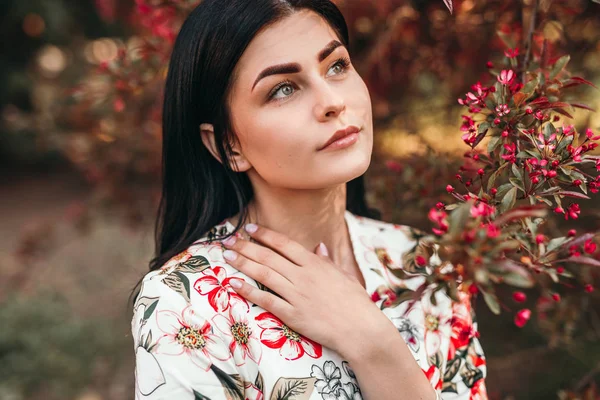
307	217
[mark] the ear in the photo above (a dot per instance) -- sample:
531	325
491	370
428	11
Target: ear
239	163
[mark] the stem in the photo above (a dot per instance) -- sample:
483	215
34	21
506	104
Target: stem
529	43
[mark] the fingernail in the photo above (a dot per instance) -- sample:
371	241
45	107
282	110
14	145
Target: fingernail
251	228
323	249
229	255
235	283
230	241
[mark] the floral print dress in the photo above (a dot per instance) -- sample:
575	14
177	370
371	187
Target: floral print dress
195	338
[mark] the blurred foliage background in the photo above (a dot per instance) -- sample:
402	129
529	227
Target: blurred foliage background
80	164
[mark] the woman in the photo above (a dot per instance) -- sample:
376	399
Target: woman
268	126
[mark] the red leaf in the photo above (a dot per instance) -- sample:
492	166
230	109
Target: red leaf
573	194
582	81
553	105
540	100
563	112
538	210
585	107
584	260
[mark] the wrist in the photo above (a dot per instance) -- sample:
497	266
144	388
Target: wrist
369	341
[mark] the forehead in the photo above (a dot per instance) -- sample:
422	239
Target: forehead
296	38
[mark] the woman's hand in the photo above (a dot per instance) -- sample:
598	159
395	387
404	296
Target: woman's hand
319	300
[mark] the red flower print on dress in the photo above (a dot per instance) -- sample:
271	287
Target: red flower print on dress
243	343
435	376
251	392
462	325
190	334
215	285
291	344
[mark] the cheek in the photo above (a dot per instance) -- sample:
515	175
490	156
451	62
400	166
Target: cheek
274	138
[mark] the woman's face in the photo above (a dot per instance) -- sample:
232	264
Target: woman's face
282	120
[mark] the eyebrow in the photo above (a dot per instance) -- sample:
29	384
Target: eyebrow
291	68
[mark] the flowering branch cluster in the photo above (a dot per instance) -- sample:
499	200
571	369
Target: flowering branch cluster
533	162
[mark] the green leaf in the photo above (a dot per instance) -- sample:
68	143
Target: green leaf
199	396
194	264
492	302
509	200
549	129
531	85
517	183
494	142
185	281
150	310
559	66
484	126
517	172
458	218
503	189
555	243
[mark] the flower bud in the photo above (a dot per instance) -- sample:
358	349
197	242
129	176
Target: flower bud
519	297
522	317
571	233
589	288
539	239
449	188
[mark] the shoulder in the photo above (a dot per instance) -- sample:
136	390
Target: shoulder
196	276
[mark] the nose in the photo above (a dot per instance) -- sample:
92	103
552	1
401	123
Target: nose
329	103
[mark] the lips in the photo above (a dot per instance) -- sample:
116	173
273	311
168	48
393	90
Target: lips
340	134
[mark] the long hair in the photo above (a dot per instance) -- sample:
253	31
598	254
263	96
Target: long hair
199	192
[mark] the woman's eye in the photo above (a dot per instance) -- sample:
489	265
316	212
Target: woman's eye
285	88
340	66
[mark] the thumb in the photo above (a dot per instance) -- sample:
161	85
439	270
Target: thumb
321	250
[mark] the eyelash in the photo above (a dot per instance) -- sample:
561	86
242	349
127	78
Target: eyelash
343	61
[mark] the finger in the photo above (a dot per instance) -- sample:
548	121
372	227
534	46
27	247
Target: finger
279	242
321	250
262	255
262	298
259	272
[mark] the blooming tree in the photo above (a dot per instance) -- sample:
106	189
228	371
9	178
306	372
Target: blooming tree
525	161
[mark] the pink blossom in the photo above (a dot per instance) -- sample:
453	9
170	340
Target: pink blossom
506	77
511	53
589	246
573	211
502	110
492	230
542	142
590	134
482	210
575	152
568	130
510	155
